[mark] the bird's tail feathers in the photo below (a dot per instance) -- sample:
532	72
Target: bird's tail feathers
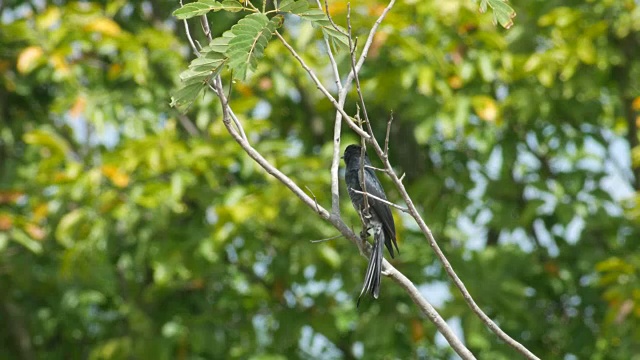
374	269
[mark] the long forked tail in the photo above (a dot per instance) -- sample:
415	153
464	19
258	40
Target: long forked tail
372	276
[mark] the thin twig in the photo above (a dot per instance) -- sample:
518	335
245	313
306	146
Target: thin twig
326	239
386	138
204	22
188	125
363	184
337	222
321	87
366	195
234	117
314	198
336	27
411	207
188	32
332	60
375	168
445	262
367	45
428	310
337	124
352	57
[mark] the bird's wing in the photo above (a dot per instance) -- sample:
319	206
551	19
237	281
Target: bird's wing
372	186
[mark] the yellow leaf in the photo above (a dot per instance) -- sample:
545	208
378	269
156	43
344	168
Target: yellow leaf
28	59
59	64
35	232
485	107
78	106
417	331
635	105
6	222
455	82
49	18
40	212
117	177
114	71
104	26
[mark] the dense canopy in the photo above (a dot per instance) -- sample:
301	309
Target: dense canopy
131	228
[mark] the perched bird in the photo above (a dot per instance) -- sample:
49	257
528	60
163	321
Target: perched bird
376	217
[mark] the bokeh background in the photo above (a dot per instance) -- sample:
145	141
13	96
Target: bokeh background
131	231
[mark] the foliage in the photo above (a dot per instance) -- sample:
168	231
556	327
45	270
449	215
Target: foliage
131	230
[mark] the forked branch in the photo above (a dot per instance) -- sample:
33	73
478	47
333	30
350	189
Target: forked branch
234	127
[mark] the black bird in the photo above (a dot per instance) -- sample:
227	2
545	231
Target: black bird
377	217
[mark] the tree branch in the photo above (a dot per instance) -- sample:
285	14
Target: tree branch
337	222
443	259
383	155
321	87
333	217
366	195
428	310
337	124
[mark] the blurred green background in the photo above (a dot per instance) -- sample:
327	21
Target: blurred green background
131	231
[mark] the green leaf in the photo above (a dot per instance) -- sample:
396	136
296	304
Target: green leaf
202	7
318	18
292	6
252	34
48	139
23	239
502	12
200	71
68	226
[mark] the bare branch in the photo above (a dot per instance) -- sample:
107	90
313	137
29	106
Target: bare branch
337	125
375	168
352	56
363	155
238	134
233	116
188	125
314	198
217	85
332	60
204	22
428	310
383	155
321	87
445	262
366	195
188	32
326	239
386	138
337	222
367	45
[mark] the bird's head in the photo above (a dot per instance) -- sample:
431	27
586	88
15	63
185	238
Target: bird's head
352	153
